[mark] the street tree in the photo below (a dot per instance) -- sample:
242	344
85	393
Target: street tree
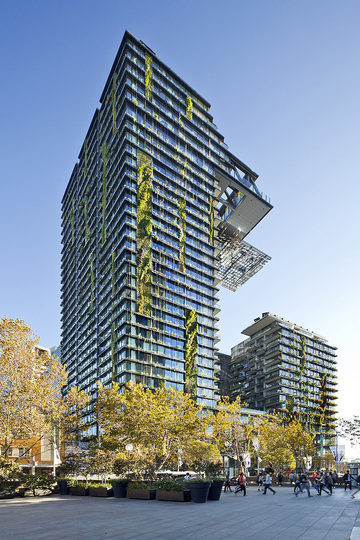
30	385
272	448
158	424
230	431
299	442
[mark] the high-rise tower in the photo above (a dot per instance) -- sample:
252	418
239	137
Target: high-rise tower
154	218
286	368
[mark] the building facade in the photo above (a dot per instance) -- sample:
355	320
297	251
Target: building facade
153	221
222	376
283	367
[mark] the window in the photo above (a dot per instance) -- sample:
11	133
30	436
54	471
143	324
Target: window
24	452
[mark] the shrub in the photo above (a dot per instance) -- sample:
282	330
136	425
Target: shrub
141	485
35	482
169	484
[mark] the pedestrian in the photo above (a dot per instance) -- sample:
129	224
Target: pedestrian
303	485
317	483
241	484
329	482
335	478
280	479
227	482
323	484
358	486
297	482
259	481
347	480
187	477
267	484
291	478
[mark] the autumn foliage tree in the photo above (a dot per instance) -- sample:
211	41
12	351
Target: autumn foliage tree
30	385
282	443
159	424
230	431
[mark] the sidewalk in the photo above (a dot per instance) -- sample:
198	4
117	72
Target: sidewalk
257	517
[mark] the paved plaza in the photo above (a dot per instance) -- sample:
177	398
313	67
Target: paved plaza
277	517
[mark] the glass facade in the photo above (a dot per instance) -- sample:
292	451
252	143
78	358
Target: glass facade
141	220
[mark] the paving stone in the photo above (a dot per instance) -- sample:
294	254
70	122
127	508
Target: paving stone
254	517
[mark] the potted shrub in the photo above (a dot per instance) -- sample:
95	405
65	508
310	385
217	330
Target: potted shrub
171	489
141	490
79	488
42	482
101	490
199	489
216	488
120	487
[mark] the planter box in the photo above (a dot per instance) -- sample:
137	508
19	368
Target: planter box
120	490
176	496
215	491
147	494
77	490
199	491
7	493
100	492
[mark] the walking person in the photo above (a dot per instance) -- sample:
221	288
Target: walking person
267	484
347	480
241	484
317	483
259	481
280	479
303	485
358	486
291	478
335	478
297	482
323	484
329	482
227	482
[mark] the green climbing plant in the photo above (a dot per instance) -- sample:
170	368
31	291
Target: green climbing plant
91	260
191	350
148	77
144	230
182	233
113	273
105	158
211	232
189	108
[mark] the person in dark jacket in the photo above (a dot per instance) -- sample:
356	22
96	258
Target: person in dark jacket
303	485
347	480
227	482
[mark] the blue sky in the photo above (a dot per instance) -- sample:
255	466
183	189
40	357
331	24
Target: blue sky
283	79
